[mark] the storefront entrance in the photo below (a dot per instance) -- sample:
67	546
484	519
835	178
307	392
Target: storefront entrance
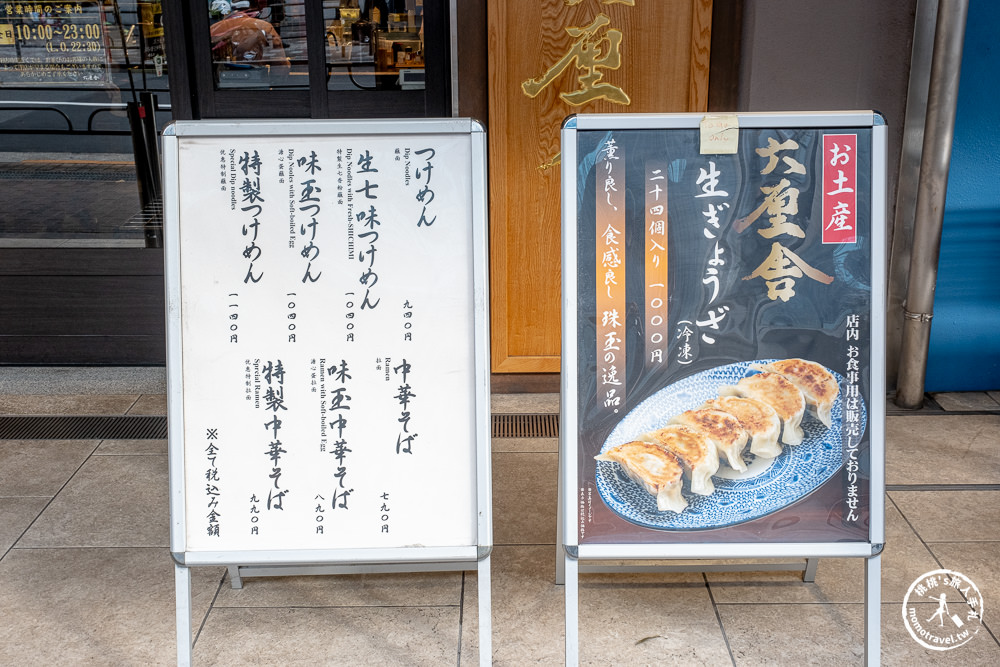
86	87
83	94
329	59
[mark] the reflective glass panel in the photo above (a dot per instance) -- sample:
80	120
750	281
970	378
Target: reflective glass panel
72	74
374	44
54	44
259	44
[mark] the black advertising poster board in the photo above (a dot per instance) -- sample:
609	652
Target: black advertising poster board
712	265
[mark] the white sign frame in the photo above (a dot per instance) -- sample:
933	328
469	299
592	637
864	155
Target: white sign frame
575	554
472	555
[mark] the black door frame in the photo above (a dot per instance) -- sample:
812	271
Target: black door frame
194	95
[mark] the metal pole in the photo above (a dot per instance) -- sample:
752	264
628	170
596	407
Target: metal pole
571	591
873	610
182	601
942	98
485	612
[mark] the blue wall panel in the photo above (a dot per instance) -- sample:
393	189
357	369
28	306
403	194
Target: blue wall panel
965	333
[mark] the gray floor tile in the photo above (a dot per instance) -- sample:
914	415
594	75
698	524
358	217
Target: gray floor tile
507	404
524	498
152	404
132	447
833	634
977	561
16	514
40	467
94	606
341	636
950	516
414	589
799	634
625	619
943	450
527	608
648	619
837	579
113	501
966	400
115	605
980	649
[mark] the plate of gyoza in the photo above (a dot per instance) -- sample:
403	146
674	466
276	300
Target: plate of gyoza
726	445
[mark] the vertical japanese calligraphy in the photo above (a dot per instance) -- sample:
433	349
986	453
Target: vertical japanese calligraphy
782	266
405	395
309	201
253	208
714	204
594	51
385	510
340	404
657	221
426	195
234	315
840	178
326	319
253	518
274	400
595	47
212	490
368	219
610	274
852	425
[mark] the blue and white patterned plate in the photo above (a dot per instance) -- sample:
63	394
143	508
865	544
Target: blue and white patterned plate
768	485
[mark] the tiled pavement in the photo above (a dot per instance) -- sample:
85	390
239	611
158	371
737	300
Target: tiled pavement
86	575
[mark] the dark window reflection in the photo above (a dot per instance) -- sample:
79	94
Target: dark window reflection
259	43
374	44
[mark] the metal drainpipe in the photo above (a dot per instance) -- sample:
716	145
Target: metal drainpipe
942	98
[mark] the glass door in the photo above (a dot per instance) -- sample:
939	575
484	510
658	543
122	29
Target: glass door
319	58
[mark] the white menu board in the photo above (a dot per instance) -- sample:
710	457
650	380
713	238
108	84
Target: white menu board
327	341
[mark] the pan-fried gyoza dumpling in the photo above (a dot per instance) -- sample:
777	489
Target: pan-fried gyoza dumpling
695	451
780	394
759	420
815	382
722	429
654	468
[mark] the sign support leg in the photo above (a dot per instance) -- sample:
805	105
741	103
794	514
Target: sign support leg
234	577
873	610
560	519
571	590
485	612
560	565
182	583
809	574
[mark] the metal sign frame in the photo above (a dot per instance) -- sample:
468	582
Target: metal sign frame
573	552
395	559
